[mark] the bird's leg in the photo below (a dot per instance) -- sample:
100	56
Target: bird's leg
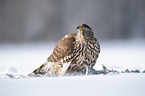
87	70
86	67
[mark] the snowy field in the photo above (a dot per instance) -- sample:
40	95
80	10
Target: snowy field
101	85
21	59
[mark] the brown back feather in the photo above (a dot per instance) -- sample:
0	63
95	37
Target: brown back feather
63	48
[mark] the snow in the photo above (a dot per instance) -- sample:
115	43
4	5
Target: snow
22	59
99	85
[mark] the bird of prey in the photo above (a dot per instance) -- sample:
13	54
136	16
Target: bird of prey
74	53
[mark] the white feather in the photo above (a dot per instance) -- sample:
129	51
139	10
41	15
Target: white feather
65	67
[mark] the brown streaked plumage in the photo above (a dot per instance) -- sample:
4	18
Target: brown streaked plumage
63	48
74	53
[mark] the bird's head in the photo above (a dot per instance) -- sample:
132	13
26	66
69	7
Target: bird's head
84	31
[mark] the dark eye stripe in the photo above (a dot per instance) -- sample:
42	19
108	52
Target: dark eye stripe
85	25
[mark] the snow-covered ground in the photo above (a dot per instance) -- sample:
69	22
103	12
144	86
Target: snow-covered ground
100	85
21	59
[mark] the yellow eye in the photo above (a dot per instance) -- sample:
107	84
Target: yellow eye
86	30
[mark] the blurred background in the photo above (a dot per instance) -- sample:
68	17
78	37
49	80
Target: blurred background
29	30
49	20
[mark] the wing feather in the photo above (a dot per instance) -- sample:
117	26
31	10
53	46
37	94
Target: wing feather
63	48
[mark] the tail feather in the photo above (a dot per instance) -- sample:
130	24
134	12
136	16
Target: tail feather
48	68
42	70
